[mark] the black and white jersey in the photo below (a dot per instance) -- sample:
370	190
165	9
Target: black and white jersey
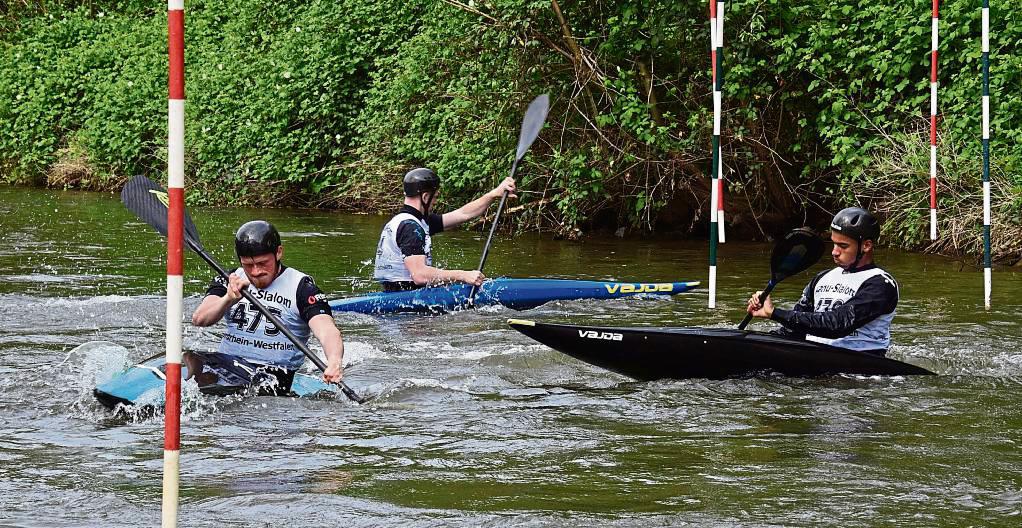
405	235
293	297
846	309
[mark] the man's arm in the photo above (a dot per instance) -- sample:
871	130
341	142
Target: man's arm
315	311
478	206
876	297
329	336
804	304
765	309
425	275
219	299
411	239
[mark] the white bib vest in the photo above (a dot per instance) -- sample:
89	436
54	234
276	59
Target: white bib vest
251	336
390	261
834	289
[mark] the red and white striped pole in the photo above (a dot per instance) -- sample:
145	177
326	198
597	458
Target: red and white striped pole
715	156
719	83
175	256
933	122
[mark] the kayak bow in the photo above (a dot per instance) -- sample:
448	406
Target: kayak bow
517	294
715	353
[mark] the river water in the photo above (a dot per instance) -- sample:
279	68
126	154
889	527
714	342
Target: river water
475	424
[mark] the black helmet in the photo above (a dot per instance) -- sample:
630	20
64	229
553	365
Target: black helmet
856	223
257	237
421	180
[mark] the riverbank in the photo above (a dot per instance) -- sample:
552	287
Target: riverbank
327	104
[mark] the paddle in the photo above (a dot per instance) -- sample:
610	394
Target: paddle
149	202
796	252
532	123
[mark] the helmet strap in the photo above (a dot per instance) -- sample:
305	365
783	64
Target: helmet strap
427	205
858	256
279	262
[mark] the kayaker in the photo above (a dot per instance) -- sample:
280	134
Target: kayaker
850	306
264	351
403	255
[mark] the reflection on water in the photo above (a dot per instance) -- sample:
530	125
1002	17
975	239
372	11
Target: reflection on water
474	424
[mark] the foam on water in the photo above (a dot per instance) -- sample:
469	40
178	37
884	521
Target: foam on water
408	388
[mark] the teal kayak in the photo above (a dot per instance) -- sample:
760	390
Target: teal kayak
517	294
144	384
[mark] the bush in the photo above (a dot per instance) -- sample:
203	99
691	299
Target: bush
328	103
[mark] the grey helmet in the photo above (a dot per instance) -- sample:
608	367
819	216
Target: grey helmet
420	180
857	223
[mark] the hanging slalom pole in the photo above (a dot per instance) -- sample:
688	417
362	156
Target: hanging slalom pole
175	257
718	88
986	154
715	166
933	121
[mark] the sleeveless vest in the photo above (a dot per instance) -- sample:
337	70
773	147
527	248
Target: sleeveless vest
834	289
390	261
252	337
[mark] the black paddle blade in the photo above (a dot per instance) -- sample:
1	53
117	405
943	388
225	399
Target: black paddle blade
149	202
532	123
796	252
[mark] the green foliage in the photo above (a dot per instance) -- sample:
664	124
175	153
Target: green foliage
328	103
77	78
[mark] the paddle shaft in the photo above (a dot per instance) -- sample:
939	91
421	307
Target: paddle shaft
762	297
273	319
532	123
489	240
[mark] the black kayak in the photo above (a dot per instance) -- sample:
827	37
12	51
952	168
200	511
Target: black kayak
714	353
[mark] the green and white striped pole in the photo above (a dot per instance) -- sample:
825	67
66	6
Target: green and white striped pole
986	154
933	121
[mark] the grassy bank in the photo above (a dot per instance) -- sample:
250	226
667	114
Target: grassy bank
326	104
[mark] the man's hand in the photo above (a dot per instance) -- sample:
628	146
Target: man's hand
507	185
213	307
473	277
334	372
757	309
234	288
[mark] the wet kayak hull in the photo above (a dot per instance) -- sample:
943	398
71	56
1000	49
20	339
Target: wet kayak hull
714	353
517	294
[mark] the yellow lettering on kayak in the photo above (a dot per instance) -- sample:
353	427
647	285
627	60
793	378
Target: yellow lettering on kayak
639	288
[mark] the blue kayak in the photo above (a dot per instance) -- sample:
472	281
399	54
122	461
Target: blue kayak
145	384
517	294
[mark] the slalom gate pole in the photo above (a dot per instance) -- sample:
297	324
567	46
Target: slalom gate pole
718	88
715	166
986	154
933	120
175	257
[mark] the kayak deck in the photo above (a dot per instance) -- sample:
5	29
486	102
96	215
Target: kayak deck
714	353
517	294
145	384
